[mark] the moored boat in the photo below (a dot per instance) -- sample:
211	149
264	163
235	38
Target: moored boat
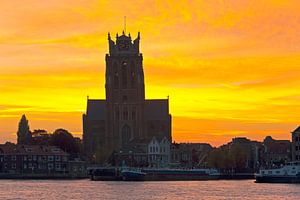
104	174
151	174
133	174
289	173
181	174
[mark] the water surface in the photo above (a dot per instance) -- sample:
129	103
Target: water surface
85	189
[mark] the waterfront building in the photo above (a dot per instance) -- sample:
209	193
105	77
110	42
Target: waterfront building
159	150
125	116
296	144
189	154
37	159
275	152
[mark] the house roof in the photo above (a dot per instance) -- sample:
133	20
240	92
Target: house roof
96	109
13	149
297	129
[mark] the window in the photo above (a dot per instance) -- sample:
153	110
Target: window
117	115
57	158
14	166
125	114
57	166
133	76
13	158
133	115
124	74
116	80
50	166
44	158
50	158
132	79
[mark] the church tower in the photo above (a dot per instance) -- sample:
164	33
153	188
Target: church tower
125	119
125	91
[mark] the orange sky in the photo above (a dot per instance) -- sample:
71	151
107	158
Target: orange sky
231	68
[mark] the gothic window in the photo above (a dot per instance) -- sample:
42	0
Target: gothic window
116	80
117	114
124	98
133	115
124	74
125	114
132	75
126	134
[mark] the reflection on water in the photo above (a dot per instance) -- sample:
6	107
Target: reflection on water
85	189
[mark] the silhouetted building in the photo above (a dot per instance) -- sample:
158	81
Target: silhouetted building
296	144
275	152
32	159
37	160
125	116
250	148
189	154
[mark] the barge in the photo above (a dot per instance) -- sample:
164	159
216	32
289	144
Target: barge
289	173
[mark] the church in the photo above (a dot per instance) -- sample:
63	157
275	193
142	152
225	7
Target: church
125	118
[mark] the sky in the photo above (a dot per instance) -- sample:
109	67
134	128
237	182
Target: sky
231	68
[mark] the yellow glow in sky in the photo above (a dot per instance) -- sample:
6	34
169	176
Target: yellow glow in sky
231	68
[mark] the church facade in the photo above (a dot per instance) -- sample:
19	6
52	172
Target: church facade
125	117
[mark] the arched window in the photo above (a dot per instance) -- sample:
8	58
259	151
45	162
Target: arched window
125	114
117	114
133	75
116	80
126	134
124	74
133	115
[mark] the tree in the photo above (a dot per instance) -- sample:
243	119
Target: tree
65	140
24	134
239	154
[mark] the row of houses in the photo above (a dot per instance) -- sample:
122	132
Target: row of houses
39	160
160	152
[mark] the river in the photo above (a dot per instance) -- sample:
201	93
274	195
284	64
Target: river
85	189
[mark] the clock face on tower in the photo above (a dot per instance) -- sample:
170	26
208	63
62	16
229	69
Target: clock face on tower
123	45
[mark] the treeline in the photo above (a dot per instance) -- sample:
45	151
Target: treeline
233	159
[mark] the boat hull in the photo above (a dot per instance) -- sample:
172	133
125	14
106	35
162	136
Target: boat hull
105	174
277	179
178	175
133	176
